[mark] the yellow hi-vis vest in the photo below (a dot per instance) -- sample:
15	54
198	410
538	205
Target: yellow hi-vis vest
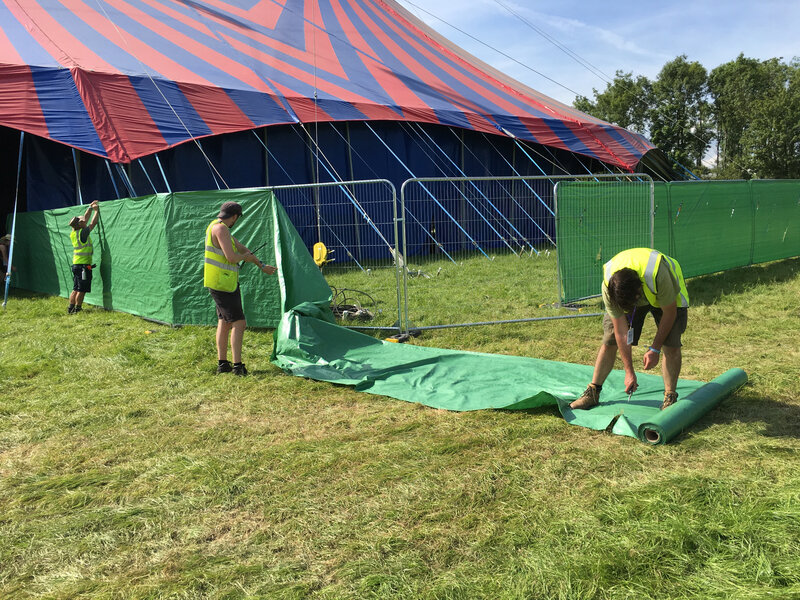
218	273
645	262
81	252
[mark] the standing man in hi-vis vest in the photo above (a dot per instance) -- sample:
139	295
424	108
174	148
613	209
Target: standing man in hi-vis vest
637	282
82	252
221	276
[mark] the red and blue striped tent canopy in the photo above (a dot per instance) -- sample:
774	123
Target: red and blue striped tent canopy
123	79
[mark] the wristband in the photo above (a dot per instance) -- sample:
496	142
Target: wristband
654	350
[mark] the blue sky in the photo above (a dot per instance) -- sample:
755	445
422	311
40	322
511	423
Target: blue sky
638	37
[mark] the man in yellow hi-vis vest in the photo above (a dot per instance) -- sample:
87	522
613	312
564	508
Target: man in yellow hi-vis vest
82	253
636	282
223	253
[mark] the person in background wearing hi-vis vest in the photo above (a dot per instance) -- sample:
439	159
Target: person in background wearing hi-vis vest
221	276
636	282
82	252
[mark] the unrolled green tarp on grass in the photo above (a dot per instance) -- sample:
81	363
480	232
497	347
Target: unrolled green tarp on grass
309	344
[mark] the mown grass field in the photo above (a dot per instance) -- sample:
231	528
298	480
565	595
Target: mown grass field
129	470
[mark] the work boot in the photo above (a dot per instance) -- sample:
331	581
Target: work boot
670	398
238	369
589	399
224	366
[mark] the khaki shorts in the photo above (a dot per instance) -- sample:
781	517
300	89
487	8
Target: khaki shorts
673	338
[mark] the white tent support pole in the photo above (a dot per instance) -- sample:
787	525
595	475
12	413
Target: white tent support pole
76	163
163	175
14	220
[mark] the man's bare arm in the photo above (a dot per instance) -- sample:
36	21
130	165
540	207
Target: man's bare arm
222	235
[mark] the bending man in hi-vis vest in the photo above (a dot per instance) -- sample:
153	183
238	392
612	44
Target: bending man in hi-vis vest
82	253
637	282
221	276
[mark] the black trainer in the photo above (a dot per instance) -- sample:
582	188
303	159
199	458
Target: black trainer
238	369
224	366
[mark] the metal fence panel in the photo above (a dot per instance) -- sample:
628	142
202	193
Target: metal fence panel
357	221
594	221
489	234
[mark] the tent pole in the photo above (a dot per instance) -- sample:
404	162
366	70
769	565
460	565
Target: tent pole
14	220
146	174
427	191
163	175
125	179
111	176
77	177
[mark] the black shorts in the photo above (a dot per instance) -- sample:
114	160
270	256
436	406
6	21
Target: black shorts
229	305
81	278
673	337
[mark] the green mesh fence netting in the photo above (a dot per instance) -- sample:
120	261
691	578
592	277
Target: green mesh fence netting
708	226
594	221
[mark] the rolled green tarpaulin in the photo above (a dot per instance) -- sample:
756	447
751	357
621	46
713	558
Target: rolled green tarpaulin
672	420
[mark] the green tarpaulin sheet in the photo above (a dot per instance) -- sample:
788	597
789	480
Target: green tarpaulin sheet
308	344
149	256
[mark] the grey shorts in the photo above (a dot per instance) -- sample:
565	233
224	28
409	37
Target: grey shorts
673	338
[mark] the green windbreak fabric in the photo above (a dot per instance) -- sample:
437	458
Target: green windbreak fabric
149	256
308	344
711	226
708	226
595	220
130	252
776	231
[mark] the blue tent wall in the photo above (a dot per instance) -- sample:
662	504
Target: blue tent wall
352	148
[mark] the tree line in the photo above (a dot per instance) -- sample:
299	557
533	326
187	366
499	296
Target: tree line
745	114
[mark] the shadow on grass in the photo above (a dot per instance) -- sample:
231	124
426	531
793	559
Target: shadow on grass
778	418
707	289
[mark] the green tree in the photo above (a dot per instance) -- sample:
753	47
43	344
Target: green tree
626	101
681	122
757	112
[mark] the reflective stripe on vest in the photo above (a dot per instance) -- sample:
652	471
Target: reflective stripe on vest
218	273
645	262
81	251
